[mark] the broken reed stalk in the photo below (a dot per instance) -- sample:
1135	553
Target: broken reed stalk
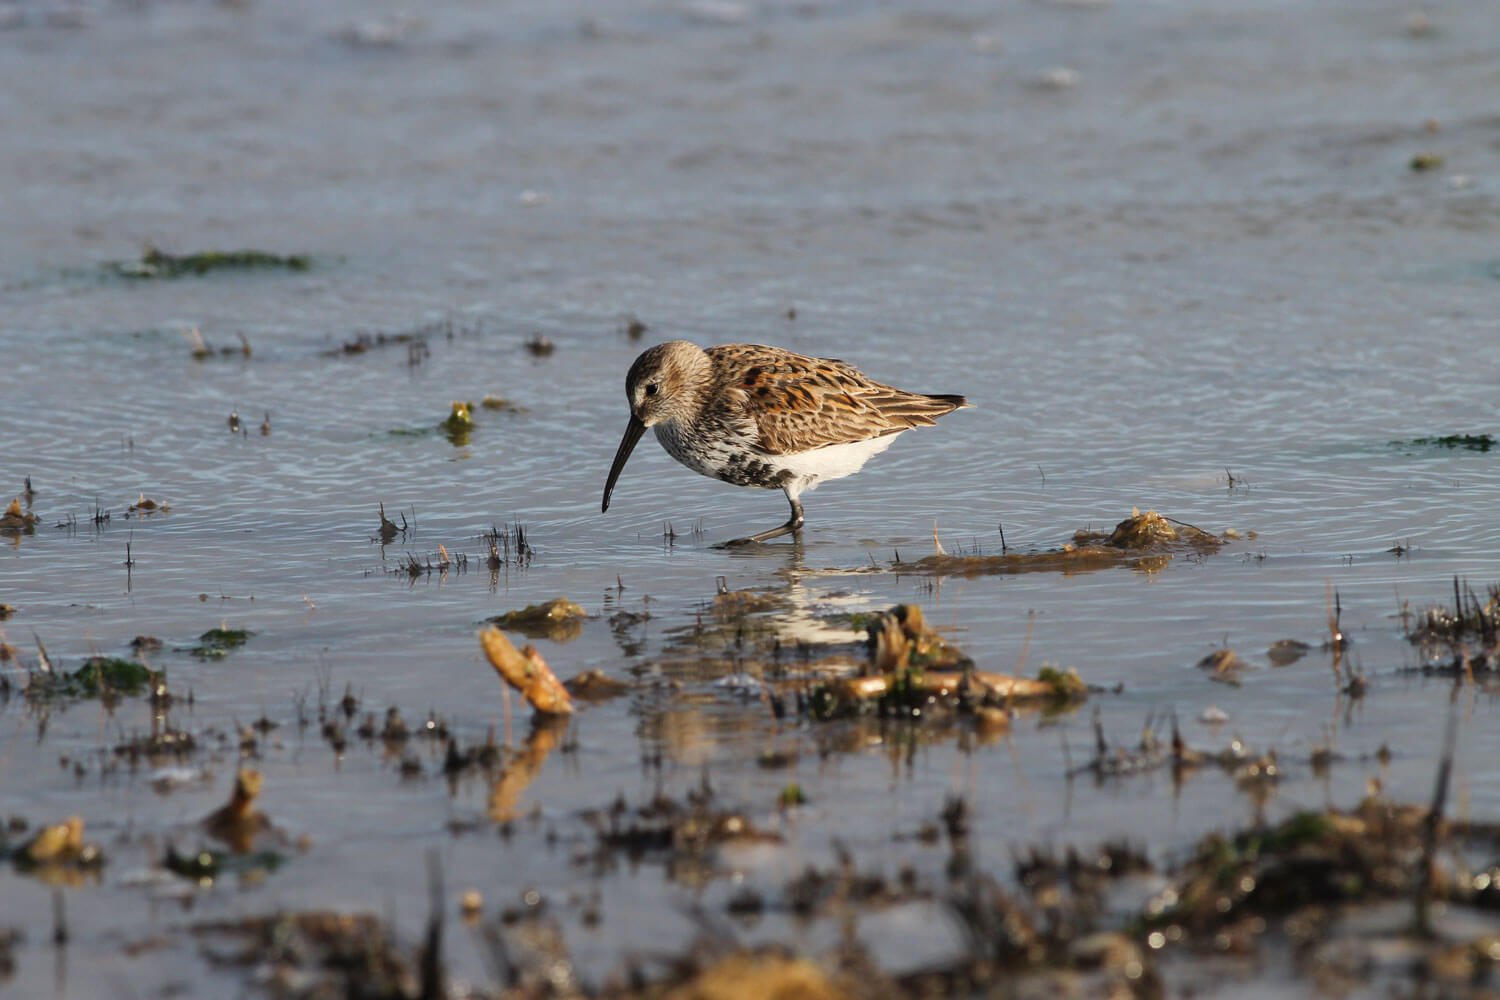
1331	602
1426	875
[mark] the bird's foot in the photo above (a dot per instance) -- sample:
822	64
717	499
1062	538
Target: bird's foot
764	536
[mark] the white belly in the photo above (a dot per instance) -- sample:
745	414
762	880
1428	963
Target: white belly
809	468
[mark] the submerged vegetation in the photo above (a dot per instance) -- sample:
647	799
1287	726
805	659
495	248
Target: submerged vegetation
1146	542
219	642
155	263
1460	442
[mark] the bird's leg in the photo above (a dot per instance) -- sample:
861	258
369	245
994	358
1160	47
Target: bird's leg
792	526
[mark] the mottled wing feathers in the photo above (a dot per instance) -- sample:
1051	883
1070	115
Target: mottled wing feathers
798	403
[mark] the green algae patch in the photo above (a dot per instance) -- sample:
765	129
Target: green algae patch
1452	442
99	676
156	263
206	865
217	643
110	673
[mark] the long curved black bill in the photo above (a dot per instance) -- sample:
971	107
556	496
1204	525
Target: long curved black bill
633	432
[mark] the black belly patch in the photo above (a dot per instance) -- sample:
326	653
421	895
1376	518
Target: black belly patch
739	469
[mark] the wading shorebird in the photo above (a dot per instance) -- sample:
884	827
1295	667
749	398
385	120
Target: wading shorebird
761	416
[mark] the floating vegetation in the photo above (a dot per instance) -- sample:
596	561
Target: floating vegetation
1330	888
1302	878
1285	652
16	521
459	423
683	830
145	505
1422	162
1462	640
1143	541
156	263
1224	666
1458	442
416	340
217	643
507	547
327	953
913	670
439	562
558	619
238	822
205	865
527	672
202	350
98	677
58	853
389	529
595	685
500	404
161	744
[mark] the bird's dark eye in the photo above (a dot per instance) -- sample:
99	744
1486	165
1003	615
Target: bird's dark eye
652	388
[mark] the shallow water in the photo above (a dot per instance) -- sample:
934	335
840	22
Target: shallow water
1206	257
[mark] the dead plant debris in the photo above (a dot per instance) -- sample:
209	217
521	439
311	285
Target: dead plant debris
1462	640
1285	652
237	822
145	505
1143	541
527	672
58	854
912	669
1224	666
558	619
595	685
16	521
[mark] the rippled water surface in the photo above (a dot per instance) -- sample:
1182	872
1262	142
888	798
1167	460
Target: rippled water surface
1174	253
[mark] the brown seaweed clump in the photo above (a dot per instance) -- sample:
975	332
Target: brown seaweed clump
145	505
1143	541
527	672
558	619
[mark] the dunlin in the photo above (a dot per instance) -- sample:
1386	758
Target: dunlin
761	416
